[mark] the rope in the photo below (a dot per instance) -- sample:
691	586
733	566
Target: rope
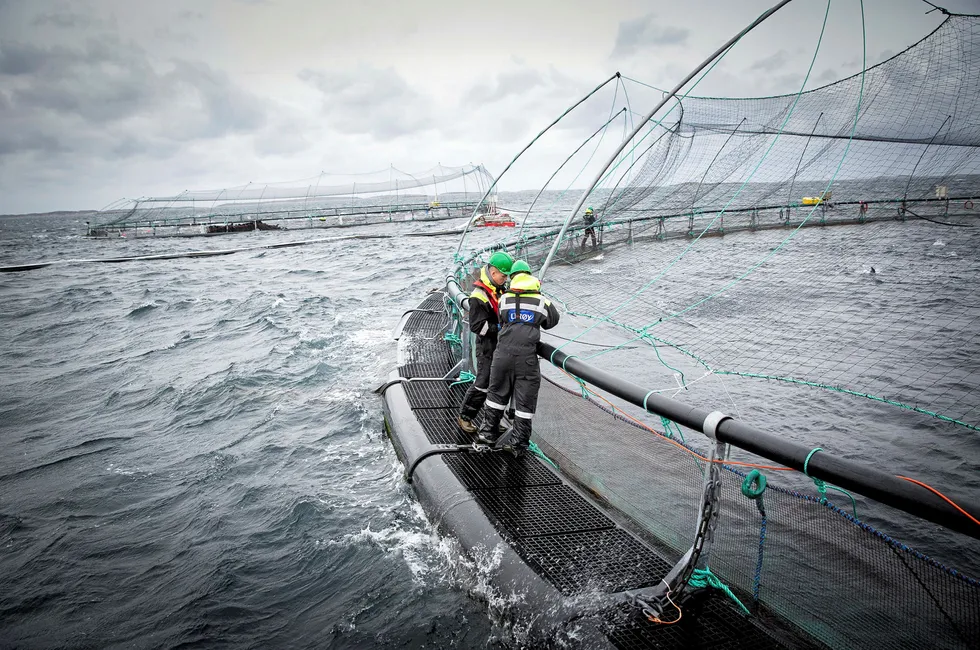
581	385
534	449
752	487
822	486
465	377
702	578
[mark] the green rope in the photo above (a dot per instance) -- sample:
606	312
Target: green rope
464	378
453	338
670	428
702	578
540	454
822	486
754	485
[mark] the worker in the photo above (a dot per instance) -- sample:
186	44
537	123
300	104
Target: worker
523	312
590	231
488	285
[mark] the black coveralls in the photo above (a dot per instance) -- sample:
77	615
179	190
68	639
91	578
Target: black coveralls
515	365
483	323
589	232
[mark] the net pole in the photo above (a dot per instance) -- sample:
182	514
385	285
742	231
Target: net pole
905	196
642	124
466	228
561	166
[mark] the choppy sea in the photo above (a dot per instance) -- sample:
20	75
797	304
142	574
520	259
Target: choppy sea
193	454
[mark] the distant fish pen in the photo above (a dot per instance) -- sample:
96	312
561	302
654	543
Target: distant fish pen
324	201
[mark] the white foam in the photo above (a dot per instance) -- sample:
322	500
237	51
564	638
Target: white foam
371	337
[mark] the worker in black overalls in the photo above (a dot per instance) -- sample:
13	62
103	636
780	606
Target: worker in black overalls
523	312
487	288
589	219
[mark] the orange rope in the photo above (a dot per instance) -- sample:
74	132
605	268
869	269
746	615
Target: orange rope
941	496
680	614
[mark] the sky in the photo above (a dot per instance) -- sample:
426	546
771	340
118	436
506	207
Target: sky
105	99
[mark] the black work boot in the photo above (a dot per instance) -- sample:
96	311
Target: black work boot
489	430
506	423
519	438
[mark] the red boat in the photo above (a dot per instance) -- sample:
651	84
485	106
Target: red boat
498	220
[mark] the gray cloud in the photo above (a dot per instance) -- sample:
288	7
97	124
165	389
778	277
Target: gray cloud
280	142
224	107
65	19
21	58
29	140
507	84
106	99
771	63
372	101
789	82
165	33
827	76
639	33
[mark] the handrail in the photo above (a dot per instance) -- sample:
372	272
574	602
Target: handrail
873	483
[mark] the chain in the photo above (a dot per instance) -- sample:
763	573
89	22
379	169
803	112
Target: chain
706	525
707	522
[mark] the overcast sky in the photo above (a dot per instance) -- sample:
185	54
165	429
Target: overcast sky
103	99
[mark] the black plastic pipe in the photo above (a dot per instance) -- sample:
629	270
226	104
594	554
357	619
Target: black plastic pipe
456	293
875	484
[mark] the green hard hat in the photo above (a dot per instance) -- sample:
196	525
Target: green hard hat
520	266
501	261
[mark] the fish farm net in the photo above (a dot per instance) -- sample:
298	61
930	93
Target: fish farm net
804	262
323	201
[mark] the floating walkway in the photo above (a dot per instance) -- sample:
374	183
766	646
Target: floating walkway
562	555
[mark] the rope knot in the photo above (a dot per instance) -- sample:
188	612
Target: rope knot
465	377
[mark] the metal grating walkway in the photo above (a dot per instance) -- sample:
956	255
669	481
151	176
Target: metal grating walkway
557	532
433	394
440	427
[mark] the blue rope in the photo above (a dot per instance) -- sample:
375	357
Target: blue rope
753	487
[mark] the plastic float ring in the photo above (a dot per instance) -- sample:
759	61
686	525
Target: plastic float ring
968	205
711	422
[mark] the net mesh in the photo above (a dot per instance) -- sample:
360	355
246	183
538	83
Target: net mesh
897	146
323	201
804	262
813	563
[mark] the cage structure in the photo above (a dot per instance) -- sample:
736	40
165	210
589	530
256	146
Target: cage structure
793	277
323	201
